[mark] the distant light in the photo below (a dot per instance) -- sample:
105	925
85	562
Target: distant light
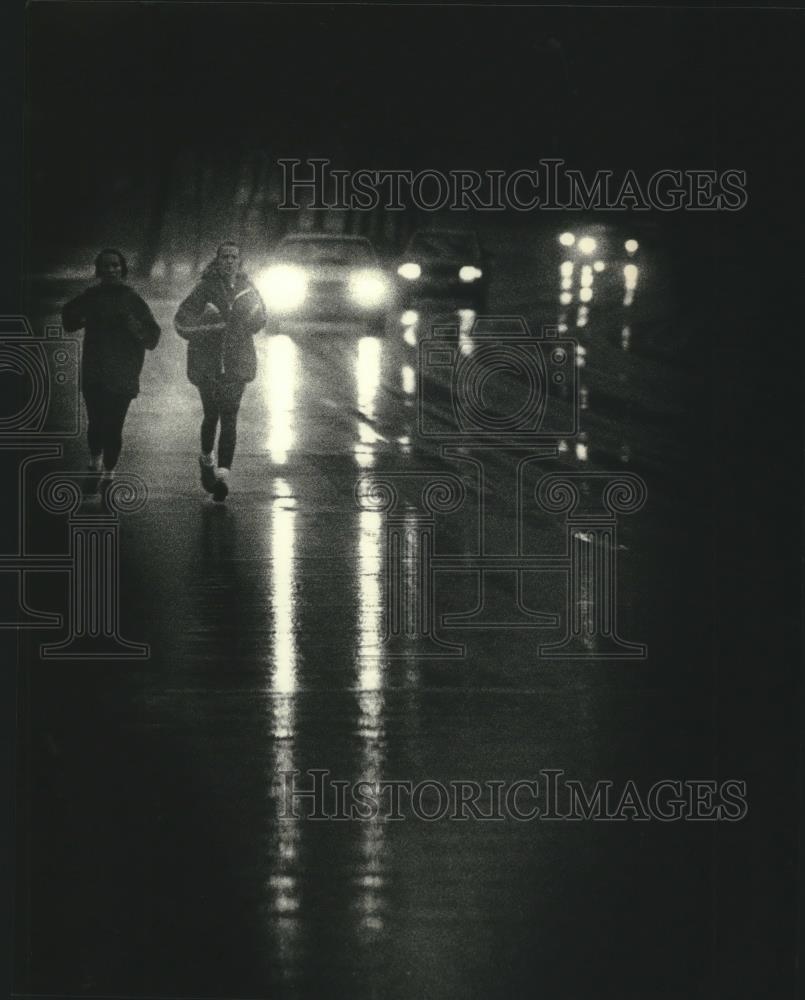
631	246
567	284
367	376
469	273
586	276
567	239
368	288
409	317
566	269
466	319
280	389
599	266
630	273
562	328
408	380
565	298
283	287
410	271
583	311
587	244
581	451
585	294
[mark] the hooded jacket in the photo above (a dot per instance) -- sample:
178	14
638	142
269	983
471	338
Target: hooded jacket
219	321
118	327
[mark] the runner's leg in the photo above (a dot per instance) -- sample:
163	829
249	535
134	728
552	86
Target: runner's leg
116	407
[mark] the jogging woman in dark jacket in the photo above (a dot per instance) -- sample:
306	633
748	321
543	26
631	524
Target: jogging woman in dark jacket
219	319
118	329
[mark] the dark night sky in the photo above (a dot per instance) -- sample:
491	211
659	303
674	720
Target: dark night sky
466	79
424	82
111	87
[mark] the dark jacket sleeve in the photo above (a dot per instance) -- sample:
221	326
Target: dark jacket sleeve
74	313
189	318
143	325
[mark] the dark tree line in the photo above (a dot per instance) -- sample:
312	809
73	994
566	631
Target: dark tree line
195	200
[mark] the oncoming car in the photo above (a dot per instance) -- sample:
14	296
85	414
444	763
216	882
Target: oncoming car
442	263
320	278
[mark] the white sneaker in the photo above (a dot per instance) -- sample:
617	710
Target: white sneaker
106	480
221	489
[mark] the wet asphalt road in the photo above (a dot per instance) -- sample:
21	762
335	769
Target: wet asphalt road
154	858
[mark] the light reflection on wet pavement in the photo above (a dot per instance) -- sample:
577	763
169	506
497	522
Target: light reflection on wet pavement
159	861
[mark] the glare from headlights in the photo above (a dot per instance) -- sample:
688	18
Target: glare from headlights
410	271
567	239
283	287
630	273
468	273
368	288
587	244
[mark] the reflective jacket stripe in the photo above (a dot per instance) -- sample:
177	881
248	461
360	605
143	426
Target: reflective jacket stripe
199	327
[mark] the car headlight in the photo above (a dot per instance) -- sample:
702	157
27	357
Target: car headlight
468	273
283	287
410	271
368	288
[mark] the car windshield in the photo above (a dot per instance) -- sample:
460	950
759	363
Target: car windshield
326	251
450	245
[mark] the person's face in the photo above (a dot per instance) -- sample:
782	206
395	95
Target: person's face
110	268
228	260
